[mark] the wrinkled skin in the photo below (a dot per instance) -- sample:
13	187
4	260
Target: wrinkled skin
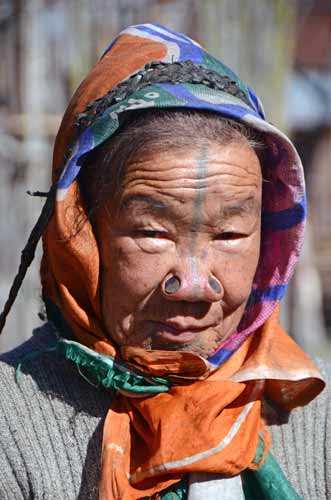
195	214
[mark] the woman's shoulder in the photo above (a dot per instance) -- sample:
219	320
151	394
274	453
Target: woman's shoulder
42	337
27	370
301	442
35	374
43	340
35	367
50	423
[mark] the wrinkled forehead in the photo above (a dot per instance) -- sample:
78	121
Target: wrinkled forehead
223	174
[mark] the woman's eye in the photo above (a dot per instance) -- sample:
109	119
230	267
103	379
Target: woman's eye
147	233
229	235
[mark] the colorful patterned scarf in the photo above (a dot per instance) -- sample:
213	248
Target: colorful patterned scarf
217	403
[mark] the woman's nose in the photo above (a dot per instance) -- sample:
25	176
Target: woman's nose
196	285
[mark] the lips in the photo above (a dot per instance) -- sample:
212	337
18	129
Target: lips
177	332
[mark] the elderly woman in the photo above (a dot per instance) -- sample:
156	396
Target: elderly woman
163	372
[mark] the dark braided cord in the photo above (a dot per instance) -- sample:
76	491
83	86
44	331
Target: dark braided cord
28	253
159	72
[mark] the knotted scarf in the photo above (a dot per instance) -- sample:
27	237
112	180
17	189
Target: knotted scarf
175	413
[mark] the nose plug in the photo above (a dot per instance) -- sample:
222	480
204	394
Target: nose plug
172	285
214	284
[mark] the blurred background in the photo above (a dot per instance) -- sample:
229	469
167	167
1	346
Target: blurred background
282	48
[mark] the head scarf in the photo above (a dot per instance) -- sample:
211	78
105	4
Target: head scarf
217	402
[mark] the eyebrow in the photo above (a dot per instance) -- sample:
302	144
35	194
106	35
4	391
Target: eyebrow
144	203
243	207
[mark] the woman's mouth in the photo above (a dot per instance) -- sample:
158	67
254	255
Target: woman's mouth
173	332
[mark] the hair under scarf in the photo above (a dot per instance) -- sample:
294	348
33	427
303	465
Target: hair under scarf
145	446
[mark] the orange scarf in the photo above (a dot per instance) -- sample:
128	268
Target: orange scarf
211	425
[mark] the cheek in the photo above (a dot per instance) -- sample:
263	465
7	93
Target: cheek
129	273
237	274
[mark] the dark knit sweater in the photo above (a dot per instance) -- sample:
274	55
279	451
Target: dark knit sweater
51	431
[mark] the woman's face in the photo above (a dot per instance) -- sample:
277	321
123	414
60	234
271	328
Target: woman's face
192	214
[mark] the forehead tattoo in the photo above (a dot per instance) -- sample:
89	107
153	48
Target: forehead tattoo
201	193
201	184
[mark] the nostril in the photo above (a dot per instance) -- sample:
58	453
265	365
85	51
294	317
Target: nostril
172	285
214	284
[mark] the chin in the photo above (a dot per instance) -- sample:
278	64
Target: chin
203	345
